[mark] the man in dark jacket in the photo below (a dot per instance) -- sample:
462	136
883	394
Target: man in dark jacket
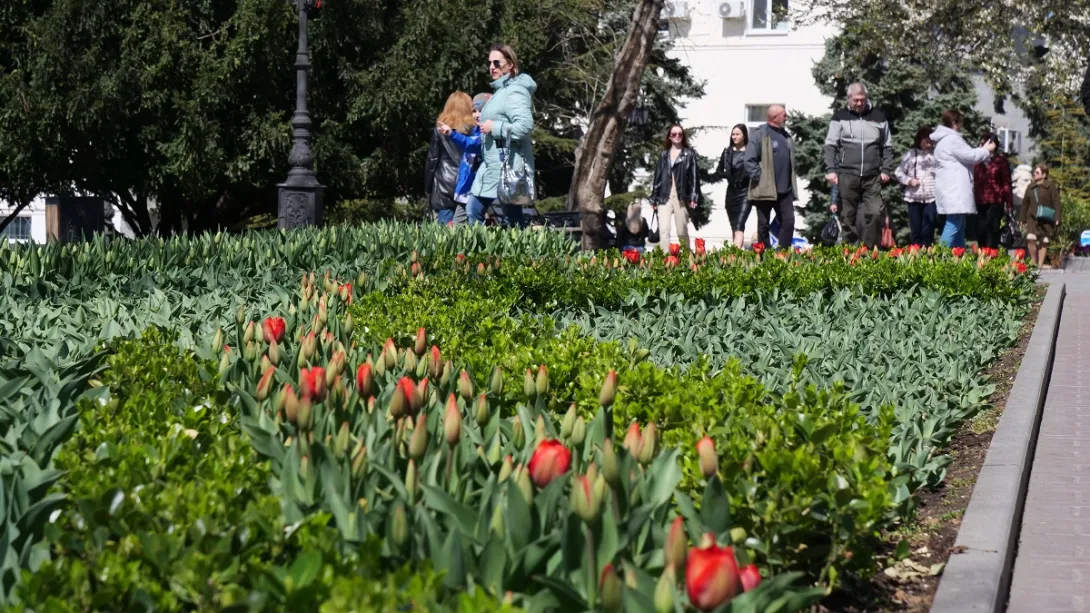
770	164
859	160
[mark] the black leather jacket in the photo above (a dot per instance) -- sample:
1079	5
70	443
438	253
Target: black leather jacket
733	169
441	172
684	175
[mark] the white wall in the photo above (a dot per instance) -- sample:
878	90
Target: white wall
741	66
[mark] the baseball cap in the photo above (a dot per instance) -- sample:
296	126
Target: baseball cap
480	99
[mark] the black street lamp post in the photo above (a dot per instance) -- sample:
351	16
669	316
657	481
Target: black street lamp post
300	198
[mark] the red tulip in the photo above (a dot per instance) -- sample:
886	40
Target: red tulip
958	251
633	439
312	383
751	577
676	543
273	329
700	247
409	391
1019	254
672	261
758	248
550	460
460	258
364	380
711	576
675	249
632	256
1020	267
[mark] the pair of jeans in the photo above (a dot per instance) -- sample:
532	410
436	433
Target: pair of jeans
784	207
989	219
444	217
476	207
953	233
921	222
861	209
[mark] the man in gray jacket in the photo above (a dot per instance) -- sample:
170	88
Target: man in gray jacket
859	159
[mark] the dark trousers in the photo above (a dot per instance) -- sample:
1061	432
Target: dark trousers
988	219
785	212
921	223
861	209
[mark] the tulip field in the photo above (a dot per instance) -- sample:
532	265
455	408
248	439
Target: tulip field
413	418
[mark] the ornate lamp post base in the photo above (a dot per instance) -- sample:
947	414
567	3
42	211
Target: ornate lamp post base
299	206
300	196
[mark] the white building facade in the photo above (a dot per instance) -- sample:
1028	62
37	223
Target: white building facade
749	57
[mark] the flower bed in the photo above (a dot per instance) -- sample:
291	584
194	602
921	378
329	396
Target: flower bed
383	455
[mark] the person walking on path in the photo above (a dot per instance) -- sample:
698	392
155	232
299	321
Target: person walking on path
506	121
770	164
444	159
732	167
470	145
993	192
917	174
859	159
676	187
1040	214
954	176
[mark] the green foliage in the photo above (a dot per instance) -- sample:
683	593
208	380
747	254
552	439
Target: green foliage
906	89
169	511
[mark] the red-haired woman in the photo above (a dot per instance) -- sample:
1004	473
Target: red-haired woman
676	187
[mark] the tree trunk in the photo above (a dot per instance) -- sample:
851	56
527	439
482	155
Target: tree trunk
595	153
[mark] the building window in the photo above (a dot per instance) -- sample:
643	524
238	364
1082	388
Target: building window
1010	141
18	229
768	16
756	114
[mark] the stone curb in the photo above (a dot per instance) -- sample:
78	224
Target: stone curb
978	579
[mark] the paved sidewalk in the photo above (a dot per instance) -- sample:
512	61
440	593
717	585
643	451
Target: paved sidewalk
1052	564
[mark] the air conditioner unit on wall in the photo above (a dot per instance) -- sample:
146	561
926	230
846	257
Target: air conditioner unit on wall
675	11
732	9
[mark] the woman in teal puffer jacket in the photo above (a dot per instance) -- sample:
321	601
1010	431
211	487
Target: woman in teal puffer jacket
507	117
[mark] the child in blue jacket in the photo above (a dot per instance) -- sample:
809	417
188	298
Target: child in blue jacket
470	145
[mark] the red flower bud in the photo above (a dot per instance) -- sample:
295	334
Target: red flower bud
675	249
273	329
364	380
751	577
551	459
711	576
312	383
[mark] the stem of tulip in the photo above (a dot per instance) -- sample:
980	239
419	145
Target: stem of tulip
607	413
450	466
593	575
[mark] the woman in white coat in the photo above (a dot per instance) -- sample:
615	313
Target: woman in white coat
954	176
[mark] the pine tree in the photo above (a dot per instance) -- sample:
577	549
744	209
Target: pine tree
908	94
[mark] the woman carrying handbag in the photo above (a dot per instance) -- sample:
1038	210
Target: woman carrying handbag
1040	214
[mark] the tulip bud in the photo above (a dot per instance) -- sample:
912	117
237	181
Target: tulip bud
494	450
304	467
389	353
609	390
539	429
410	481
496	387
359	460
225	363
361	280
274	353
397	403
542	382
306	413
281	399
568	423
481	411
266	364
265	384
665	590
750	576
340	444
633	440
583	502
452	421
380	364
465	386
435	363
579	432
448	372
365	380
505	470
420	398
418	444
248	335
409	363
348	325
496	525
611	467
421	341
529	386
709	461
647	445
399	526
519	435
525	485
240	314
609	589
302	361
677	544
217	341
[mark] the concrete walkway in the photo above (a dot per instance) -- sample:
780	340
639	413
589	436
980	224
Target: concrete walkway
1052	564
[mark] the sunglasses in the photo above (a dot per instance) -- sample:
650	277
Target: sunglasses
494	64
677	134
